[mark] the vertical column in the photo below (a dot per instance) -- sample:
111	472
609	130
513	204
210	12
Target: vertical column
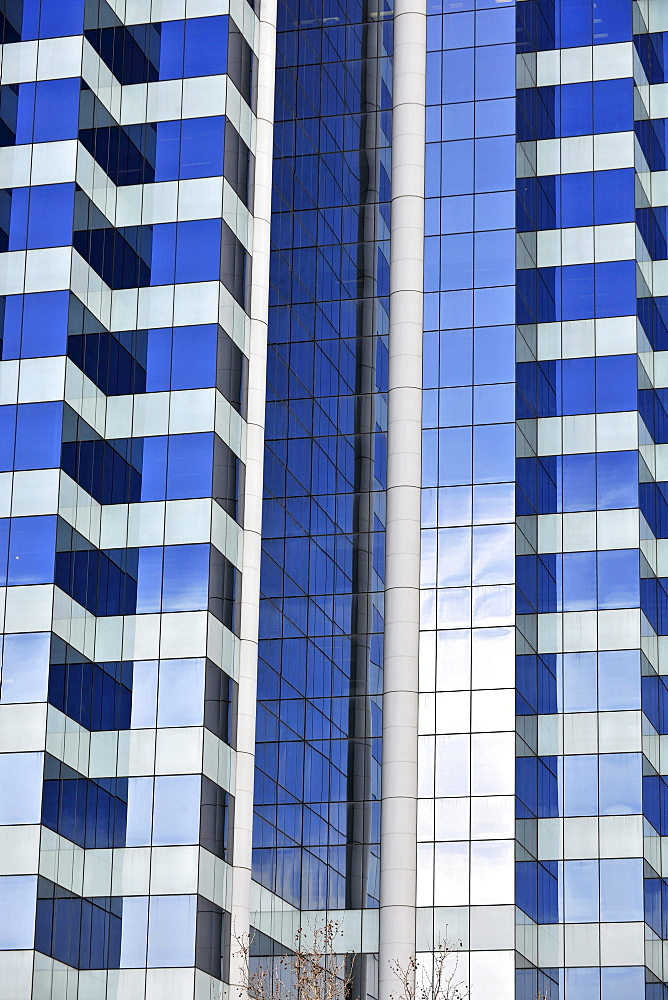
399	771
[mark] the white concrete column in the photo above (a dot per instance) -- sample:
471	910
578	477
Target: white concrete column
257	372
402	573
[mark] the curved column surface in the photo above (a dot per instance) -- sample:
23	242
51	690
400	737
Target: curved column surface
400	699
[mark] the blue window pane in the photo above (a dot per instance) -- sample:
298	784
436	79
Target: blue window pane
176	809
149	580
622	889
576	23
20	787
48	110
456	169
206	46
52	18
172	46
494	404
140	812
495	257
577	386
616	383
578	482
582	984
44	325
617	479
171	934
456	406
619	579
455	458
18	897
577	199
581	785
622	983
580	679
495	210
50	216
458	30
163	254
495	164
190	468
456	308
4	549
198	250
32	549
495	118
494	71
144	694
614	198
7	434
613	105
159	360
134	932
495	354
579	581
430	458
620	784
577	292
190	148
456	270
615	288
494	453
154	469
456	359
167	151
202	142
619	680
25	667
580	891
457	77
494	305
38	433
194	357
576	109
186	578
181	693
494	26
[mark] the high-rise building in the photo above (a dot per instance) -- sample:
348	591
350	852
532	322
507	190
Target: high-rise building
333	492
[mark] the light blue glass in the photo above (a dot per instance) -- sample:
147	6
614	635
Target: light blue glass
580	892
171	931
579	682
134	932
454	564
140	812
144	694
494	404
622	889
20	787
620	784
495	258
580	795
181	693
18	894
494	453
176	809
25	667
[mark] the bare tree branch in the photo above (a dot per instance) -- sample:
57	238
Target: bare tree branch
417	982
312	971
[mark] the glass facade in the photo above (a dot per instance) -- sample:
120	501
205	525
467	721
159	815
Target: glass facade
202	206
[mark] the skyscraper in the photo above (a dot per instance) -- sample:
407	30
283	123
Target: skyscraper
333	504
